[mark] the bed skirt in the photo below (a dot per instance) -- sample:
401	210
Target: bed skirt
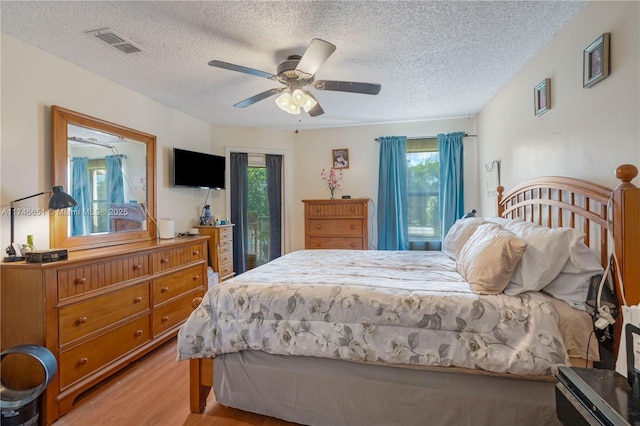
316	391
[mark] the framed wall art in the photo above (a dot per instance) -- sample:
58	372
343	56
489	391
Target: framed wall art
596	61
340	158
542	97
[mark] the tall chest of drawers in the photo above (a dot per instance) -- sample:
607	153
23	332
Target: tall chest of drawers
97	312
336	224
220	249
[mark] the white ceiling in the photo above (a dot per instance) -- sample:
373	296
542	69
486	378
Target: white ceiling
433	59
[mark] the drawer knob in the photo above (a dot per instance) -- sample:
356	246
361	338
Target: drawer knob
318	210
82	320
83	361
138	333
318	226
196	302
165	318
137	267
80	280
196	253
353	227
137	299
164	289
196	277
353	244
164	260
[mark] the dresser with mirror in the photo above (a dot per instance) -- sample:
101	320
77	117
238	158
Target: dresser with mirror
122	292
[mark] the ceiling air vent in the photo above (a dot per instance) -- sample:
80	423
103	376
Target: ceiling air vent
114	39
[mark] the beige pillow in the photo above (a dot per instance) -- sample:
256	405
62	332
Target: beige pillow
488	258
458	234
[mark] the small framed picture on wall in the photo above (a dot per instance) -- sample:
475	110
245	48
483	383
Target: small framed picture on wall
340	158
596	61
542	97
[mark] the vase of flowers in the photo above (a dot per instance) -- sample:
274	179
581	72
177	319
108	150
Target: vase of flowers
333	179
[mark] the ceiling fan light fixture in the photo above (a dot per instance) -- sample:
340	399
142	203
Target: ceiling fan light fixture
299	97
309	104
283	101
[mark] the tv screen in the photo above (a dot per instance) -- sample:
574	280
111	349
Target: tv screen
198	169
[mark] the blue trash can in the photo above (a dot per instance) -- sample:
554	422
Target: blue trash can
21	407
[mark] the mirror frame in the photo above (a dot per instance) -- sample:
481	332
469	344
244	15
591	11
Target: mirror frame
58	224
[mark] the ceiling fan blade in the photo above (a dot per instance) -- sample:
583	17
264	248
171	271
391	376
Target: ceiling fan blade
239	68
348	86
317	109
260	96
315	55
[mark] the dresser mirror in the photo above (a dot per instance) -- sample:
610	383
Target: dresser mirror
110	170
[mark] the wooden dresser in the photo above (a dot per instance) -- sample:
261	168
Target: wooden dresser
336	224
98	311
220	249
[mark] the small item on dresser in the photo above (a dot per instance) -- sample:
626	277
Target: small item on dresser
205	220
193	231
166	228
46	256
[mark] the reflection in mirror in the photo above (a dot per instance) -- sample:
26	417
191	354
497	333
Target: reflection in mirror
108	179
110	170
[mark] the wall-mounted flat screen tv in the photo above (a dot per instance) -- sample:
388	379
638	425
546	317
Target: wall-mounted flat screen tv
198	169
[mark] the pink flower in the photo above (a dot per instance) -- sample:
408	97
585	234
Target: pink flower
332	178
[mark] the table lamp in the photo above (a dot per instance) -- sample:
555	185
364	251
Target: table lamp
59	200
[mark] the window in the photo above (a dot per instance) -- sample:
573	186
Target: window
423	189
258	212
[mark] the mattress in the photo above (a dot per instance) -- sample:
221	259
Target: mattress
391	307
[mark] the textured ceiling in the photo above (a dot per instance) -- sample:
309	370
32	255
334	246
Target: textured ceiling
433	59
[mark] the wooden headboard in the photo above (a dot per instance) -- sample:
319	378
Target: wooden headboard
596	210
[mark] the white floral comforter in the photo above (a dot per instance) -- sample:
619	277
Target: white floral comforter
405	307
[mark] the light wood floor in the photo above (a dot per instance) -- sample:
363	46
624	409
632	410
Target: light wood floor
154	391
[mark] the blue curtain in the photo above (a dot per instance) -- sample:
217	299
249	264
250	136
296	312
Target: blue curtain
451	179
81	192
393	227
239	197
274	195
115	183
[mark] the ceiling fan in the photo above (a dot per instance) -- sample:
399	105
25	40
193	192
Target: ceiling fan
295	73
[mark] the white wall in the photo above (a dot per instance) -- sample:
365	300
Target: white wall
33	80
313	149
588	132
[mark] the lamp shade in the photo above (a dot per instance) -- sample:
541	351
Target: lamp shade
60	199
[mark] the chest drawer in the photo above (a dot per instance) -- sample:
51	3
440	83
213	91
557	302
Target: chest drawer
174	257
225	233
343	209
76	281
335	228
173	285
84	359
174	312
335	243
87	317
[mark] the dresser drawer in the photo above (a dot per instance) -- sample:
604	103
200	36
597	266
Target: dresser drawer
226	271
87	317
173	313
173	285
82	360
335	243
226	233
173	257
335	228
340	209
76	281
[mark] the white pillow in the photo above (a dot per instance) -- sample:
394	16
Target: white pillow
502	221
572	283
547	252
458	234
488	258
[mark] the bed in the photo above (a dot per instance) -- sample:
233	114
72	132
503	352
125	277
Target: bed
431	342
